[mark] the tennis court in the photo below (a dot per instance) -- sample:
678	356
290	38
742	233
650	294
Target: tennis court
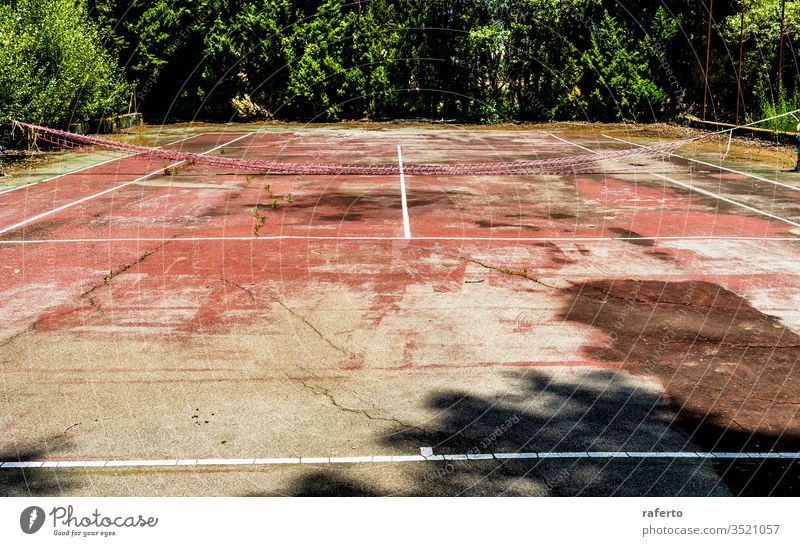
196	329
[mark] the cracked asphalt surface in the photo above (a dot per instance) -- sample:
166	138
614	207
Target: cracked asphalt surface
526	314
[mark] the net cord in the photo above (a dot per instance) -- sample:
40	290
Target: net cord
560	165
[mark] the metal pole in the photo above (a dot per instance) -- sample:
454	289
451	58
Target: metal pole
708	57
780	49
739	72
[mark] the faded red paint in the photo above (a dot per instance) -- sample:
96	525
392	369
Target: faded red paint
185	289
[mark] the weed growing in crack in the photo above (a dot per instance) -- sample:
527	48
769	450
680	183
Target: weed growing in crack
261	220
111	273
277	199
518	272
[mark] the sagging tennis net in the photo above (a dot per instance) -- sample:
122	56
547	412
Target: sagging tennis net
561	165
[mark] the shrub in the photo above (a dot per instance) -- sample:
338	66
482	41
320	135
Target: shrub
53	68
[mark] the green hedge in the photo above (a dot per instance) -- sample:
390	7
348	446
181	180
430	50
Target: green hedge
53	67
479	60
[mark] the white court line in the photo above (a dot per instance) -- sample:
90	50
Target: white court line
720	167
115	188
271	238
406	221
367	459
693	188
721	198
9	190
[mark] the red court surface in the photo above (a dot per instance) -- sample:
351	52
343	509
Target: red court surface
629	331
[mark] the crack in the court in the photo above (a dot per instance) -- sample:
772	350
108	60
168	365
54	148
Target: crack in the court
112	274
93	302
322	391
508	271
314	328
71	427
240	287
13	337
80	423
721	343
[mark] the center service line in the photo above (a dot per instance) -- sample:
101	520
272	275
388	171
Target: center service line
406	223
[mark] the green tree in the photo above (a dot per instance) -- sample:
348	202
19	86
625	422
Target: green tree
760	61
478	60
618	82
53	68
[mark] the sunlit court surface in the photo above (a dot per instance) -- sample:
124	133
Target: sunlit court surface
190	329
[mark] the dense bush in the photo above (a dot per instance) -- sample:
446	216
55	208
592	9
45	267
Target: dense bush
53	67
476	60
480	60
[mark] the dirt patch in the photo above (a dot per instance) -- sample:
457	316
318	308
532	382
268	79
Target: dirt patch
17	161
556	255
42	230
728	369
632	237
339	206
489	225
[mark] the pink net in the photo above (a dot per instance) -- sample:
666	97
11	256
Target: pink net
561	165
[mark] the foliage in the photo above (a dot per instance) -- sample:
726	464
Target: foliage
761	33
247	109
469	60
53	68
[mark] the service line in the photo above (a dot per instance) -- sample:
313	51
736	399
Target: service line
426	457
694	188
345	238
720	167
9	190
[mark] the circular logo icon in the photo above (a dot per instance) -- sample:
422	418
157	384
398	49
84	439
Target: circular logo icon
31	519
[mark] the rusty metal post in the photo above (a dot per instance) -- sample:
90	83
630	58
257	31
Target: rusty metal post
780	50
739	72
708	57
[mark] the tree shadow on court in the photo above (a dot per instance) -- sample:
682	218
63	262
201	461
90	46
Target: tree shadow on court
729	371
357	205
698	368
594	410
723	363
330	484
37	482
